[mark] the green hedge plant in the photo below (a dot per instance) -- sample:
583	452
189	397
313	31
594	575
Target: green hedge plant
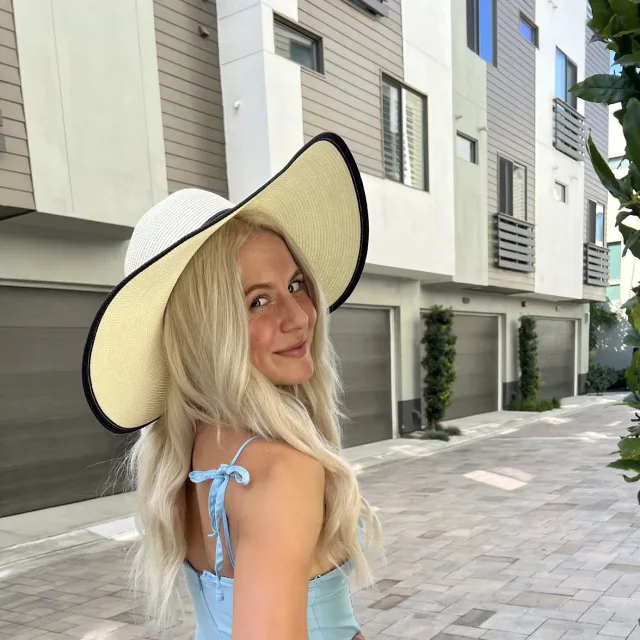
439	342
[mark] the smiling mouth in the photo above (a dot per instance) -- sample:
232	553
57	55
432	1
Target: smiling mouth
296	351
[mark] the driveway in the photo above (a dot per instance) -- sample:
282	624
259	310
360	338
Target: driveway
524	535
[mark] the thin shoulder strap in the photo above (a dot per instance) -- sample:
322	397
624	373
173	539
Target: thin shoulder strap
241	449
220	480
225	519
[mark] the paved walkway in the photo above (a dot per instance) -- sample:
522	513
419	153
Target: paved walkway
522	535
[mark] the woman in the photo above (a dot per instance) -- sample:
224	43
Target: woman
217	342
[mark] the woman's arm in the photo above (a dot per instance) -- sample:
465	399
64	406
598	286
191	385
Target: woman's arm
279	521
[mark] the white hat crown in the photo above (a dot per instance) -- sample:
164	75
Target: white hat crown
167	222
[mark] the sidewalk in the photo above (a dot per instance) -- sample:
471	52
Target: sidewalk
31	535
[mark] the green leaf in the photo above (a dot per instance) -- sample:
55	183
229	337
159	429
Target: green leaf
631	479
620	114
625	465
633	315
631	129
631	340
623	215
613	26
605	88
602	13
627	13
602	168
634	174
629	303
630	449
631	237
631	376
631	59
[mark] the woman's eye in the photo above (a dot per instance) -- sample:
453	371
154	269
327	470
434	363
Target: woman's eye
258	302
295	286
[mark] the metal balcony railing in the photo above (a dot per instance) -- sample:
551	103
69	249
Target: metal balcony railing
570	133
515	247
596	265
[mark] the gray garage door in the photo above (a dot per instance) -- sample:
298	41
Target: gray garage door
556	357
362	338
477	366
53	451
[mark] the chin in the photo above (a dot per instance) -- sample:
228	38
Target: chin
294	376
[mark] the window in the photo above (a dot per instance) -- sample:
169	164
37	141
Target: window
613	293
566	77
513	189
528	30
615	261
467	148
619	162
297	45
481	28
596	223
616	69
560	192
404	119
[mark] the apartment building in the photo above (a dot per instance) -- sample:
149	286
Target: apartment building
470	147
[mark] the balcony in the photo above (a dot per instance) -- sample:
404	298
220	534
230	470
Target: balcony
596	265
515	244
570	133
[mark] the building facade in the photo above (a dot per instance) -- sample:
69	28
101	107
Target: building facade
470	147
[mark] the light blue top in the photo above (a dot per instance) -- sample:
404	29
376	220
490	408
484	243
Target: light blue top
329	611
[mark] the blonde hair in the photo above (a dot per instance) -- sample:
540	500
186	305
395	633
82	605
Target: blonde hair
212	381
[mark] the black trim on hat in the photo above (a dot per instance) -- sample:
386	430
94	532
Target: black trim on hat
350	162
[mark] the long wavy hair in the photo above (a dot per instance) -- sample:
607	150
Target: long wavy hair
212	382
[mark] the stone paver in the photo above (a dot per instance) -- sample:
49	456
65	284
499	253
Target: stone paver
523	536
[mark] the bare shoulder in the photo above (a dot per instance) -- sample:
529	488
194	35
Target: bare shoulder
282	480
277	461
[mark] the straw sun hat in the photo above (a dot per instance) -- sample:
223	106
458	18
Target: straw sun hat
319	201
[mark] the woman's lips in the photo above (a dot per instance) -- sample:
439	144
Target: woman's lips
297	351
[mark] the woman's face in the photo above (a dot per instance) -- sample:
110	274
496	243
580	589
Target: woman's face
281	314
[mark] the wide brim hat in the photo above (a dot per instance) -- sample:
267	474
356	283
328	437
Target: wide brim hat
319	201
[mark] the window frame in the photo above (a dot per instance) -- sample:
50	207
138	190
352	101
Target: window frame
512	163
473	29
474	147
399	86
565	188
568	98
534	29
279	19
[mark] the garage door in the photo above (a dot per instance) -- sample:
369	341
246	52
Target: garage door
477	366
53	450
362	338
556	357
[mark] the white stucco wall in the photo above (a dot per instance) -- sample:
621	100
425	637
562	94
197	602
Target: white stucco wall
261	94
559	226
36	256
470	118
92	105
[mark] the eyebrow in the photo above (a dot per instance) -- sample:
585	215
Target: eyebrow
265	285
